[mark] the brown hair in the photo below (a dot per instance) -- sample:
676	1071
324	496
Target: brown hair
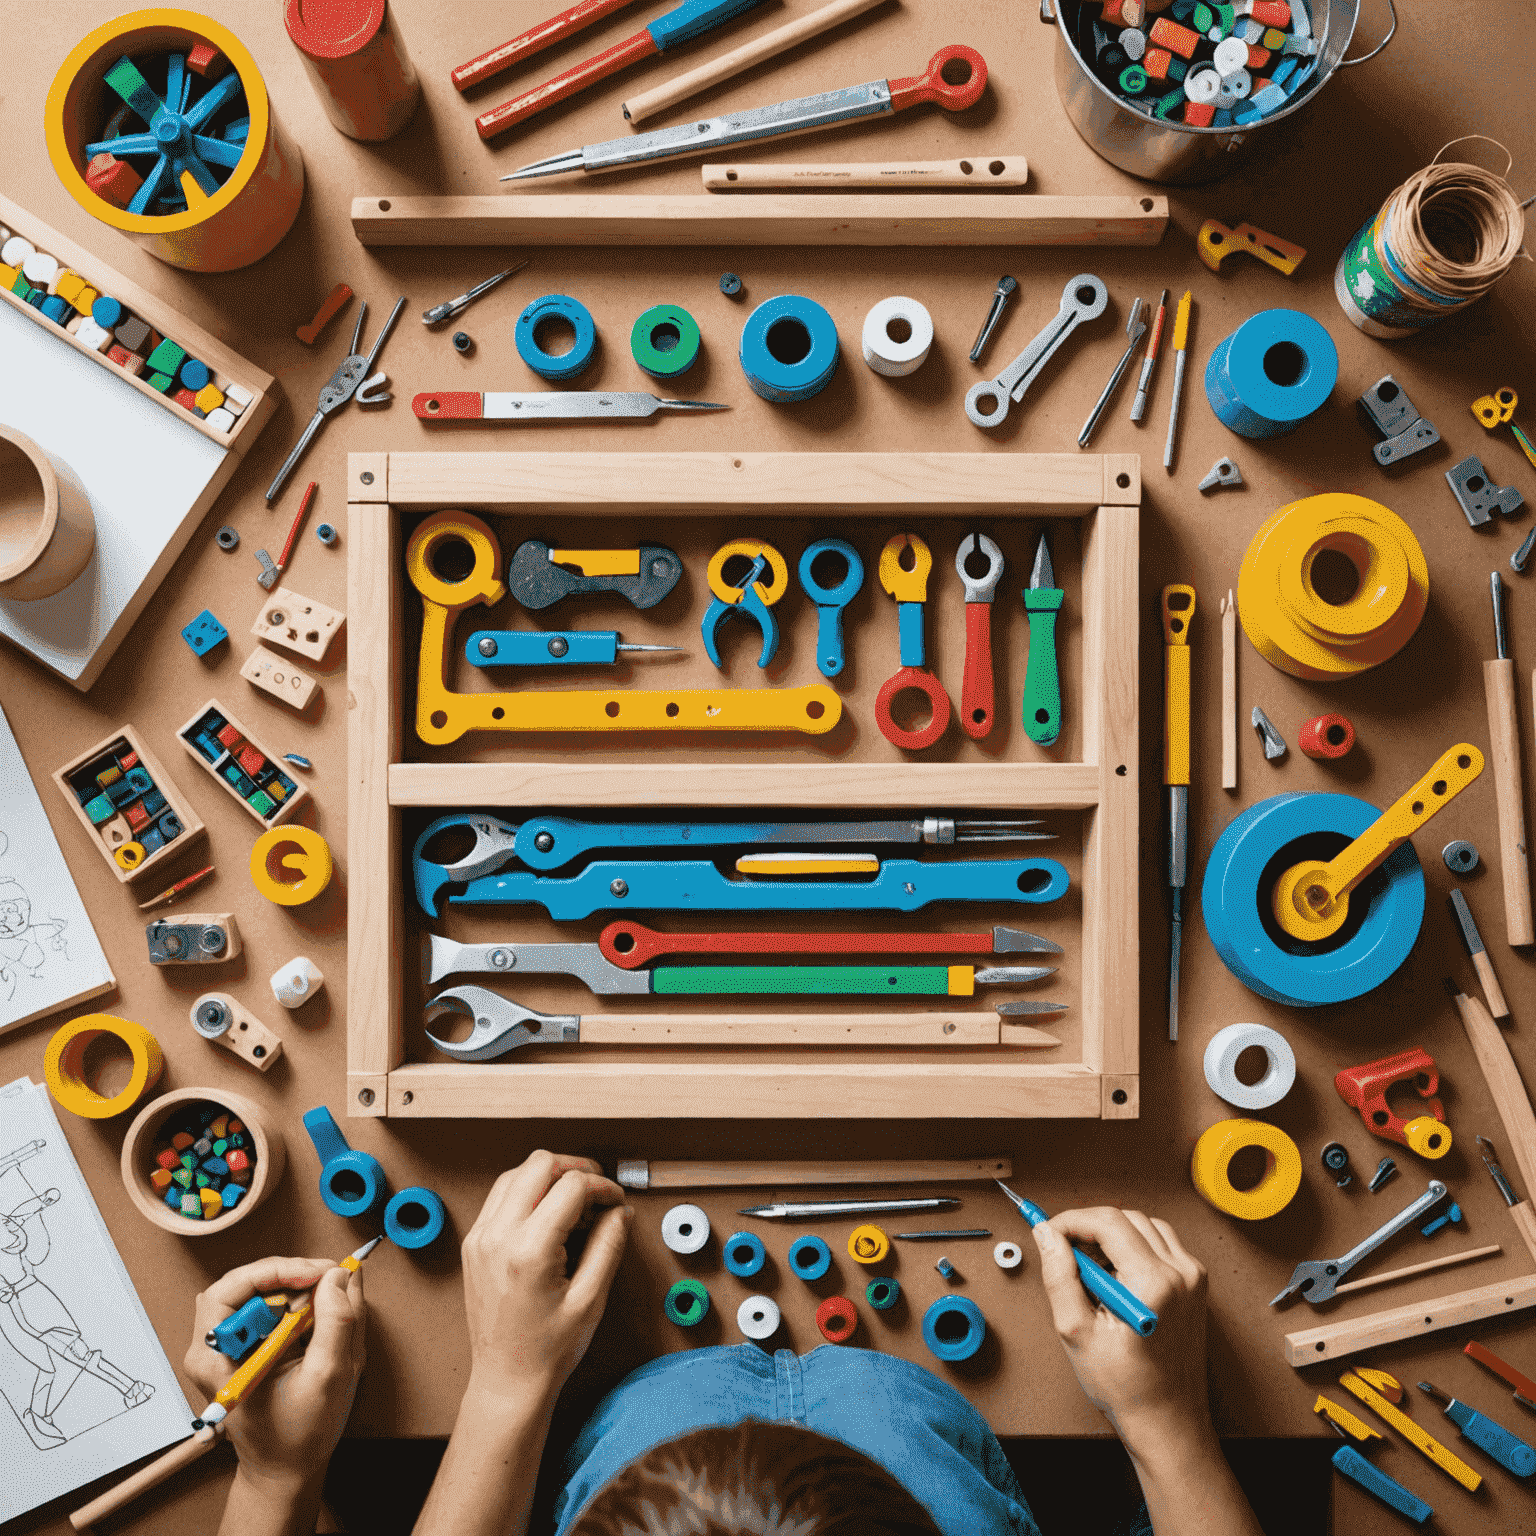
753	1479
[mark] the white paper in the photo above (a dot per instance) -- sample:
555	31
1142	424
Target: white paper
49	953
85	1387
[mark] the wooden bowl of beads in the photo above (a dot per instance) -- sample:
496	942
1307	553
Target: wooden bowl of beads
160	1129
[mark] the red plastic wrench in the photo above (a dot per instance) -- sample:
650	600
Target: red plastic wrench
976	692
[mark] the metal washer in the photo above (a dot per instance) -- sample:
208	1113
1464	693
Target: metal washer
685	1229
1460	856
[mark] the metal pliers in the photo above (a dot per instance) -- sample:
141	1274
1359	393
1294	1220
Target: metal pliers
354	377
752	595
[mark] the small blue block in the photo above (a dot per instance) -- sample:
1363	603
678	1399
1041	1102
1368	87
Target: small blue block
232	1195
210	746
1248	113
154	803
122	793
169	826
1223	118
100	808
194	374
173	1197
1267	101
56	309
203	633
151	839
1288	67
216	1166
242	1331
107	313
140	779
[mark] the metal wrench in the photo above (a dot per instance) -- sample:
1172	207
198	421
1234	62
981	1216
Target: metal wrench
1084	298
1135	329
1316	1279
976	692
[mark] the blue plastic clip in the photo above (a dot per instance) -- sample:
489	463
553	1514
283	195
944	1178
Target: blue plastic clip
351	1183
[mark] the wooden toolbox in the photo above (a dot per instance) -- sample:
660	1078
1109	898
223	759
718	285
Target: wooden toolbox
1082	1062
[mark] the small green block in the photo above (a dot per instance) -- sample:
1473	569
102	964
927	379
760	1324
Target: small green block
160	381
201	1180
1204	19
23	289
188	1160
100	809
220	1147
262	803
183	1177
237	1140
166	358
1169	104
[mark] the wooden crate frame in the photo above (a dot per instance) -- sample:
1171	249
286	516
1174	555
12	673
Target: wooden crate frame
1103	492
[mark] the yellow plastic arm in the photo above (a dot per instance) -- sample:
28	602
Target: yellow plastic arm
599	562
1178	610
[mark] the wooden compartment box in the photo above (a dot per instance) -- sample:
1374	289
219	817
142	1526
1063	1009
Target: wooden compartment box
246	770
1080	1063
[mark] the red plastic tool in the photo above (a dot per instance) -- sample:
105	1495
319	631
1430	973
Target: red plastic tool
310	334
1525	1388
535	40
1365	1088
633	944
976	689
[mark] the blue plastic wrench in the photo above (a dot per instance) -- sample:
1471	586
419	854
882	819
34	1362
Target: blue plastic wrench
830	601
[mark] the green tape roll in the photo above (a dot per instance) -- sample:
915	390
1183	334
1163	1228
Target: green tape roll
665	341
687	1303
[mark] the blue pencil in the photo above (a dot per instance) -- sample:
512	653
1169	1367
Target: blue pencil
1127	1307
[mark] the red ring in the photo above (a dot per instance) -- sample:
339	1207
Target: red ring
924	682
835	1311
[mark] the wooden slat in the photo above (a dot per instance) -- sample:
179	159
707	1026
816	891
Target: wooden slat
1334	1340
1505	1086
1524	1219
660	218
642	1174
969	1026
1369	1282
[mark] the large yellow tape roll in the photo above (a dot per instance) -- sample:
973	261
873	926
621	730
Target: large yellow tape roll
1213	1158
1292	626
310	859
64	1063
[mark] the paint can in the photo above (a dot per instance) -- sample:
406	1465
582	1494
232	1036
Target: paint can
357	64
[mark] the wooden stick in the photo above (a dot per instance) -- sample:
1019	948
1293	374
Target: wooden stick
1524	1219
1333	1340
978	171
1504	1083
1229	691
649	103
813	1029
155	1473
1444	1262
1504	734
637	1173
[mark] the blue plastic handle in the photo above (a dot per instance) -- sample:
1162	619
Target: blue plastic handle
909	625
351	1183
543	647
692	19
1357	1469
1510	1451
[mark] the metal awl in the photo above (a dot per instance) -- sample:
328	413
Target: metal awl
451	307
1135	328
1006	288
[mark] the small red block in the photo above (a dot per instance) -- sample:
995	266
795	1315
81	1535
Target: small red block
168	1159
1257	57
1273	13
112	180
230	738
138	817
1156	61
1198	114
1327	737
186	399
181	1141
1176	39
203	59
129	362
238	1160
128	760
448	405
250	760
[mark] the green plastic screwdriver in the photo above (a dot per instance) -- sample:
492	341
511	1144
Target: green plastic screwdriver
1042	683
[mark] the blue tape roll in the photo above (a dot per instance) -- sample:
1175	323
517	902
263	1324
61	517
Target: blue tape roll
1243	865
809	1257
568	364
415	1218
953	1328
789	348
1271	373
744	1254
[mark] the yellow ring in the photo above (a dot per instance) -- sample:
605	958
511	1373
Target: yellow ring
868	1245
129	856
1383	573
64	1060
312	861
1213	1156
906	586
751	549
1427	1136
482	585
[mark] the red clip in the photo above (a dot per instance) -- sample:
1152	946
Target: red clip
1365	1088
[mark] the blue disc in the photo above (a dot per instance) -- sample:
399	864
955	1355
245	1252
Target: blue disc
882	1293
953	1328
789	348
1271	373
194	374
809	1257
415	1218
744	1254
546	364
1259	845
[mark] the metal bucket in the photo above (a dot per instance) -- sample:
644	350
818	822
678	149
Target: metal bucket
1173	152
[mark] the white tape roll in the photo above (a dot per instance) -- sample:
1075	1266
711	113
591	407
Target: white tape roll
685	1229
1008	1255
882	351
1221	1065
758	1317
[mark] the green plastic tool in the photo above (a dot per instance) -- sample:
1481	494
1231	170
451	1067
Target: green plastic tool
1042	683
833	980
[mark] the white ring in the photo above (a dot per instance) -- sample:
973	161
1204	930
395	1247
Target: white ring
895	359
1008	1255
1202	86
1221	1065
758	1317
685	1229
1231	55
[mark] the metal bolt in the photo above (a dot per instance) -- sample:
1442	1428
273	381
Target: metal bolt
1384	1171
730	284
544	841
367	478
1460	856
1336	1161
462	341
1006	286
619	888
946	1269
487	647
258	1051
558	645
226	537
365	1095
326	534
949	1026
503	959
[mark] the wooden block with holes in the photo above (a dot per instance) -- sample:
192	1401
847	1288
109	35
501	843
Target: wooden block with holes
280	678
298	623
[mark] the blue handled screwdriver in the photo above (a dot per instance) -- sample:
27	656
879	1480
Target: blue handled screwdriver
1100	1283
1510	1451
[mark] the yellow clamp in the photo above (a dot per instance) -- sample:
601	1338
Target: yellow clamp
64	1063
1216	242
868	1244
1448	1461
749	549
1213	1157
1495	409
1352	1426
1178	610
599	562
310	860
904	585
1311	899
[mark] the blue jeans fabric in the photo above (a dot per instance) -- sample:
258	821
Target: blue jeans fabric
919	1428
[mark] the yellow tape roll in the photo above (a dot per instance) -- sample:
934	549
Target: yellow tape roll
311	861
130	855
868	1244
1294	628
1213	1157
64	1061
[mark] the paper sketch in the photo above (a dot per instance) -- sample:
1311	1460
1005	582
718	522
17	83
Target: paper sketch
86	1383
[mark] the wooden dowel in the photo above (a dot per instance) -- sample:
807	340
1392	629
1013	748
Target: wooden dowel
1504	735
156	1472
1524	1219
1504	1085
984	171
641	1174
811	1029
1444	1262
1497	1005
649	103
1229	692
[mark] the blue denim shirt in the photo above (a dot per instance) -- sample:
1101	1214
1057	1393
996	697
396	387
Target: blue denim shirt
919	1428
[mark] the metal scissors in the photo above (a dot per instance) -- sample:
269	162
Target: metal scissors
354	377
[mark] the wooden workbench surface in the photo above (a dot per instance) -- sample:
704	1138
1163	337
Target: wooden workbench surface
1453	68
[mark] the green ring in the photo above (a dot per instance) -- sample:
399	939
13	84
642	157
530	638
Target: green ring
695	1312
1133	80
882	1293
665	362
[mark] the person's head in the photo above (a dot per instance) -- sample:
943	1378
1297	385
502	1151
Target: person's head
753	1479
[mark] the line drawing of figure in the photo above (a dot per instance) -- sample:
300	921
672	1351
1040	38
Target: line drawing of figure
33	1320
22	940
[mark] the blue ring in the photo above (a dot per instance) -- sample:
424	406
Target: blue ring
843	594
1245	398
757	1256
1307	976
403	1236
968	1343
883	1292
543	363
809	1257
361	1166
775	380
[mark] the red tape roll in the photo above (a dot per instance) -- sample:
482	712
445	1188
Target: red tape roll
925	683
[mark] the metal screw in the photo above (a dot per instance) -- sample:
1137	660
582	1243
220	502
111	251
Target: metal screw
258	1051
1384	1171
365	1095
462	341
544	841
730	284
226	537
503	959
1006	286
949	1026
558	645
1336	1161
1460	856
619	888
367	478
326	534
487	647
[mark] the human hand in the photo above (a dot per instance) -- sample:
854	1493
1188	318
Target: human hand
285	1430
529	1324
1146	1387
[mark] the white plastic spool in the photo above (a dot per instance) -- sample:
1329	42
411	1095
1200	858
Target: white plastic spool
1221	1065
685	1229
896	359
1008	1255
758	1317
